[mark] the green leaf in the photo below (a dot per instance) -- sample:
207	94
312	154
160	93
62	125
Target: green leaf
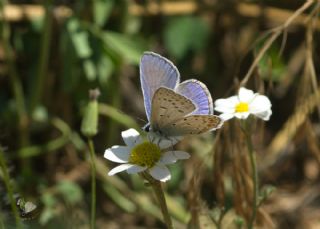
89	69
79	38
185	34
49	201
46	215
105	68
70	65
271	65
71	192
123	46
101	11
265	192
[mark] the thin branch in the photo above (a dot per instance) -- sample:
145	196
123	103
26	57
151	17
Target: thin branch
310	69
276	32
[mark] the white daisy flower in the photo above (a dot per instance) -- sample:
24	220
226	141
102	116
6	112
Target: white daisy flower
139	156
244	104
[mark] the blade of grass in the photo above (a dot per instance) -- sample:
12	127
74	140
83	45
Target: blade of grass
117	116
55	144
8	185
14	79
38	84
121	200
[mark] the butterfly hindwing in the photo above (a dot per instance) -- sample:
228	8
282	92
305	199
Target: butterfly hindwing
193	124
167	107
199	94
156	71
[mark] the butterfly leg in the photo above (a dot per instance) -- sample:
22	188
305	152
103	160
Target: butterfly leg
153	138
172	141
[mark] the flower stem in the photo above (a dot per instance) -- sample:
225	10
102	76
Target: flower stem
157	188
6	180
254	179
93	183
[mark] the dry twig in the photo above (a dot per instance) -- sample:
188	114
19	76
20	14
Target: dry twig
274	35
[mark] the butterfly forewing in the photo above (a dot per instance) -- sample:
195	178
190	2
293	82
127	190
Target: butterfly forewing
167	107
193	124
198	93
156	71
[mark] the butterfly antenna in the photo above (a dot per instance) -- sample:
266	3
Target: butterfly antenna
144	124
137	118
141	119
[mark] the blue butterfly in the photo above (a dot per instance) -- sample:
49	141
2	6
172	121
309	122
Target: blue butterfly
174	109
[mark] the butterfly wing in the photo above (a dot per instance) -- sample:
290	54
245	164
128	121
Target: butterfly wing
199	94
156	71
29	207
167	107
193	124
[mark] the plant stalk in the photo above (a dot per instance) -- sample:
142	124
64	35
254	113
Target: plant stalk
15	82
158	190
254	179
6	179
93	183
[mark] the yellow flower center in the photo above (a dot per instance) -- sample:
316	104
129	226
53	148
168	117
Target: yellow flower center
145	154
242	107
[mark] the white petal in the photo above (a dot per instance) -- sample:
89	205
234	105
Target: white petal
160	173
245	95
259	104
136	169
170	142
119	168
226	116
227	110
265	115
242	115
226	105
119	154
131	137
171	157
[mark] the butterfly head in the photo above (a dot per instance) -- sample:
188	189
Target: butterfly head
146	127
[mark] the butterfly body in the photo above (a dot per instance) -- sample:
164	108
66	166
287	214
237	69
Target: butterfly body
174	109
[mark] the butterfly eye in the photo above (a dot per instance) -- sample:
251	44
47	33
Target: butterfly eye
146	128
